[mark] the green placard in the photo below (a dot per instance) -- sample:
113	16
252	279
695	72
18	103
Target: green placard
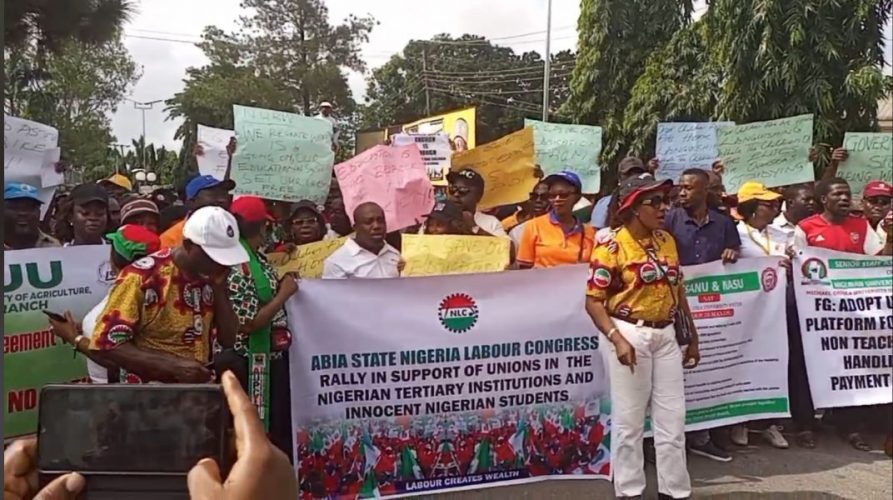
774	152
282	156
561	146
870	158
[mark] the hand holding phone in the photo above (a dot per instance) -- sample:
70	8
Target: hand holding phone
260	471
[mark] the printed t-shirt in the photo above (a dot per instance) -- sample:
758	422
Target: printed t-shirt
173	237
545	243
157	306
622	275
854	235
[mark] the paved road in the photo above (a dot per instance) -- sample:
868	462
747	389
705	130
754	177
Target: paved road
831	471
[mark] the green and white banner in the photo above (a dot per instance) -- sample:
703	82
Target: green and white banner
52	279
739	311
845	303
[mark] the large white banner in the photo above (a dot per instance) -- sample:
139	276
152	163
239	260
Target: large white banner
739	311
845	304
416	385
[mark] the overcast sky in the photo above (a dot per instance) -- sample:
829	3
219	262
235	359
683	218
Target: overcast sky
162	33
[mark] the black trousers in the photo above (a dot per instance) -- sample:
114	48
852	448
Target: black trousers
802	409
280	394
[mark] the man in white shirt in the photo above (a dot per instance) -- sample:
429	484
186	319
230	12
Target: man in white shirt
325	113
367	254
799	203
466	188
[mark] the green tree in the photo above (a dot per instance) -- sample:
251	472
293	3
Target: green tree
286	56
47	25
80	88
681	82
457	72
788	57
615	40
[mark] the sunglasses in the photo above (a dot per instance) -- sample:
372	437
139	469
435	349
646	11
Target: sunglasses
879	200
458	191
541	196
560	196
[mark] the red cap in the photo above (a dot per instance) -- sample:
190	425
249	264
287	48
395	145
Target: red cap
250	209
877	188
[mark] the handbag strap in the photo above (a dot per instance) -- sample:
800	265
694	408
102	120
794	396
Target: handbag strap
652	257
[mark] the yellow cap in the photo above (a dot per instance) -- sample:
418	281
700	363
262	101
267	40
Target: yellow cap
120	181
756	191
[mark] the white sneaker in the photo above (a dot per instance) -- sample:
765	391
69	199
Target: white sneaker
738	435
773	435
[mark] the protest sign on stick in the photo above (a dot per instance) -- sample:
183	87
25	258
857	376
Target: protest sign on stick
686	145
561	146
282	156
214	157
54	279
433	255
435	150
507	166
394	177
774	152
457	388
25	149
307	260
846	319
870	158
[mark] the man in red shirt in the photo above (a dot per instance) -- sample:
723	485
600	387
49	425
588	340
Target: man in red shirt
835	228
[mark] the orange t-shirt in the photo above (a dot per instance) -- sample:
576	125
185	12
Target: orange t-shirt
173	236
545	244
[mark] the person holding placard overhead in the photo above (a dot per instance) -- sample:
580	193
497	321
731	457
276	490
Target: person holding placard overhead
636	299
557	238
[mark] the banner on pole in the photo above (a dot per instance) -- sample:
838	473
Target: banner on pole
739	311
447	382
54	279
846	321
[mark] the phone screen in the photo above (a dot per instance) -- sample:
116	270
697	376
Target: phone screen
131	428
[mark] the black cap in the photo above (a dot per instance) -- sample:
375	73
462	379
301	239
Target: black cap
630	163
305	205
642	183
86	193
446	211
468	174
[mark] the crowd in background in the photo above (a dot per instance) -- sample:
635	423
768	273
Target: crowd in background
196	295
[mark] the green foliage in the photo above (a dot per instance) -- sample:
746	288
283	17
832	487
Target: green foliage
787	57
76	91
681	82
616	37
47	25
286	56
459	72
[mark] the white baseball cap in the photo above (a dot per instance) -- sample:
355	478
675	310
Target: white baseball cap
216	231
325	104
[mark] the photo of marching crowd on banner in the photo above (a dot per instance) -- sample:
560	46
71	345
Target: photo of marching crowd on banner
367	459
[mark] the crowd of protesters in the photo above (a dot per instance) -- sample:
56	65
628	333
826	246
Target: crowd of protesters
195	294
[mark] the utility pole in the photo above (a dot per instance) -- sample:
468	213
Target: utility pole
548	65
425	78
143	106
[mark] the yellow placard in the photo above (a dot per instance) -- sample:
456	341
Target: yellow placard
306	260
507	166
458	123
433	255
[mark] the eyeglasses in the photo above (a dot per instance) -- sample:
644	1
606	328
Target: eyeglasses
656	201
539	196
560	196
456	191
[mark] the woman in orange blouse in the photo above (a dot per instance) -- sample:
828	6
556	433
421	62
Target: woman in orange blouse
634	290
558	237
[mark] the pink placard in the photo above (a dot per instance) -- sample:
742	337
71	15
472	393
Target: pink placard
395	177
